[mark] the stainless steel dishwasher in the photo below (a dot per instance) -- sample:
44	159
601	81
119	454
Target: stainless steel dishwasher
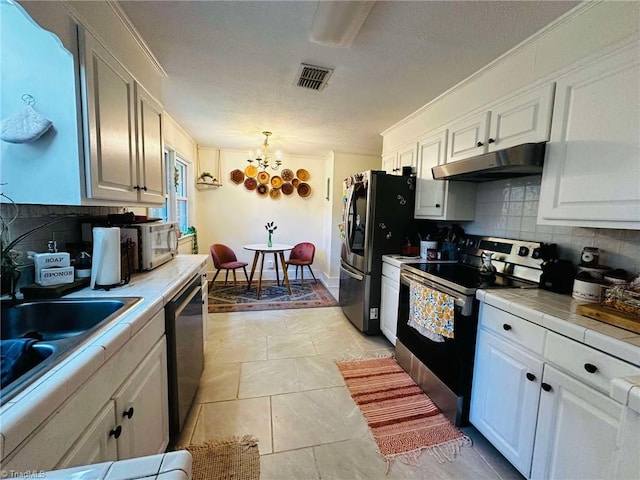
185	351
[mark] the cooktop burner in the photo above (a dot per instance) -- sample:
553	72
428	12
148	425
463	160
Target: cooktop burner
468	277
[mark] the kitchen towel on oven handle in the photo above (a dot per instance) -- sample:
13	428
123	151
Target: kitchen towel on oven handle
430	312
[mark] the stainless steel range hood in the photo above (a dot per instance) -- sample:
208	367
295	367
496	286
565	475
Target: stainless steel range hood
518	161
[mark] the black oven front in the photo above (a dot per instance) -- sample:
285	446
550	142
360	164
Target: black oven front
446	367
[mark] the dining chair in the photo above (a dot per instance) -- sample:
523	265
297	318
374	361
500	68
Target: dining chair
302	255
225	259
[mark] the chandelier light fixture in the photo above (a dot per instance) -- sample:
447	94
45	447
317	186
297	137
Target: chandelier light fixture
263	159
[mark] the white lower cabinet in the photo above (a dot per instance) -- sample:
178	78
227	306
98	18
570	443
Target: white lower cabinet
576	431
142	408
97	444
390	294
541	399
93	424
506	390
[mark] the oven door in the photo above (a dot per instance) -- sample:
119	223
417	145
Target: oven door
450	361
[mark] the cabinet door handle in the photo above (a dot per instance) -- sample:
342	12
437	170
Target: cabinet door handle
437	205
144	188
590	367
531	377
479	144
136	187
128	413
116	432
546	387
491	140
506	326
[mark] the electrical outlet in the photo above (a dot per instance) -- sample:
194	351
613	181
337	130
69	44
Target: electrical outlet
270	264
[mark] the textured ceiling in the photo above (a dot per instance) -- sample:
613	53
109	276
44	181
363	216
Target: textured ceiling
232	65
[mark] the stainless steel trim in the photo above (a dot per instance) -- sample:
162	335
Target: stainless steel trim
464	302
521	160
349	271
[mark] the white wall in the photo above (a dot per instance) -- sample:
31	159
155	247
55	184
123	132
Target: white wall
344	164
236	216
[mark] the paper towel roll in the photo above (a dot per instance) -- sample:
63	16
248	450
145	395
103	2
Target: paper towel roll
105	269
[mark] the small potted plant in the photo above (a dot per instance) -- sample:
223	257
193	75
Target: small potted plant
270	227
206	177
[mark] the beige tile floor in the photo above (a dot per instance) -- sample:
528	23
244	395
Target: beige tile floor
271	374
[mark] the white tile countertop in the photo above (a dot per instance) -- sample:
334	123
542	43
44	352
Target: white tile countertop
174	465
557	313
23	413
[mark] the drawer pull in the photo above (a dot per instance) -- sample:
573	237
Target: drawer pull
531	377
116	432
128	413
506	326
546	387
590	367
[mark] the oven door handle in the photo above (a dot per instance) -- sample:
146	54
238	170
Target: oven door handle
462	302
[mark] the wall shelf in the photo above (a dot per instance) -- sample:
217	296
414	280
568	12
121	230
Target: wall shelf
200	184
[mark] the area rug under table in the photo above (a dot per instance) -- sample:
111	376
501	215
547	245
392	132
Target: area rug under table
308	294
230	458
403	419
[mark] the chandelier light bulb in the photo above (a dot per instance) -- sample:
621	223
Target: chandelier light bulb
262	155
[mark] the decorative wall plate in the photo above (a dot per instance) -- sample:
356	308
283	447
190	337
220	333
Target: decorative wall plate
263	189
274	193
287	175
287	188
304	190
295	182
276	181
251	171
237	176
302	174
250	183
263	177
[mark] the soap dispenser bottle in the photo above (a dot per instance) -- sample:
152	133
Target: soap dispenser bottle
52	259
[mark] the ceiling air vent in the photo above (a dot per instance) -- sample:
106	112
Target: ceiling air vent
313	77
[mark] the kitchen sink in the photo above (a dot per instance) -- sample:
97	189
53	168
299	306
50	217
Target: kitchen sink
58	328
56	319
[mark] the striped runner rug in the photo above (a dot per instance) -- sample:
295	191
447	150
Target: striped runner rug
403	419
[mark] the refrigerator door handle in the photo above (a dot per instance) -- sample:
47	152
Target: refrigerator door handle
349	271
350	218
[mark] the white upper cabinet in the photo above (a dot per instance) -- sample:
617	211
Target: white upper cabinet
440	199
389	162
468	138
524	118
122	130
109	123
405	156
591	175
151	180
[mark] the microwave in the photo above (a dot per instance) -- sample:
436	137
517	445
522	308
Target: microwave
156	243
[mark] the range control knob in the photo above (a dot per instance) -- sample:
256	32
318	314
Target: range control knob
523	251
536	253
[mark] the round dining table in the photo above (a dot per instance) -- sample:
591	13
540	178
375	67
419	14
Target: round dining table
261	249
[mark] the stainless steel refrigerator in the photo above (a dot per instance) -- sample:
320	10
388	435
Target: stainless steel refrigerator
378	214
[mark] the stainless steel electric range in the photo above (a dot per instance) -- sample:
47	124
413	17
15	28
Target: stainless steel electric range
444	369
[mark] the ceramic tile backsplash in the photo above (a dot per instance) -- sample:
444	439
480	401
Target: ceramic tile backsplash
64	232
509	208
